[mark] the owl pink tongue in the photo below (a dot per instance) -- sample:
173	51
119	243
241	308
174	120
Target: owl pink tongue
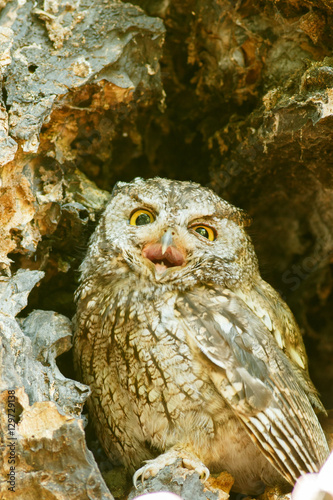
170	258
160	268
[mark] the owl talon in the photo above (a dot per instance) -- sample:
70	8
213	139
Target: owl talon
153	467
138	473
197	466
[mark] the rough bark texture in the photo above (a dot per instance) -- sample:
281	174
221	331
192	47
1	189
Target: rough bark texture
185	484
235	95
43	452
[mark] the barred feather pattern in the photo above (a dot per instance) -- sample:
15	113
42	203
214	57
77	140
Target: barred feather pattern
206	357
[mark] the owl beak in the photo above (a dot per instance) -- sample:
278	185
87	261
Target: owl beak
164	254
166	241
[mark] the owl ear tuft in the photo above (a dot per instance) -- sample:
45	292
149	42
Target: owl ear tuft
241	217
120	185
244	218
117	187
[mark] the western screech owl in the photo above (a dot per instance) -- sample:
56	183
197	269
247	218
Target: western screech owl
187	351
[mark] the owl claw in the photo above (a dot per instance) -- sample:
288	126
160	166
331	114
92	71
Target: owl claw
153	467
138	473
197	466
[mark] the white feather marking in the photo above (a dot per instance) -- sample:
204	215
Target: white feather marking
278	338
297	358
224	323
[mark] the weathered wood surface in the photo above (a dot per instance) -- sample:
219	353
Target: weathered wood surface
43	453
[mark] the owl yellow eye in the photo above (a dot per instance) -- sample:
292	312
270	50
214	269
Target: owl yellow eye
141	218
205	231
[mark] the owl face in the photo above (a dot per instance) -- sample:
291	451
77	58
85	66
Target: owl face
173	232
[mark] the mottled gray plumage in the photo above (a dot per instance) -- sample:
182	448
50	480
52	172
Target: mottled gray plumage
188	352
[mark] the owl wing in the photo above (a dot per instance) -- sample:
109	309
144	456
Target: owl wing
256	378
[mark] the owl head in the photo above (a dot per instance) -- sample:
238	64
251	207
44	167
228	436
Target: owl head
171	233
